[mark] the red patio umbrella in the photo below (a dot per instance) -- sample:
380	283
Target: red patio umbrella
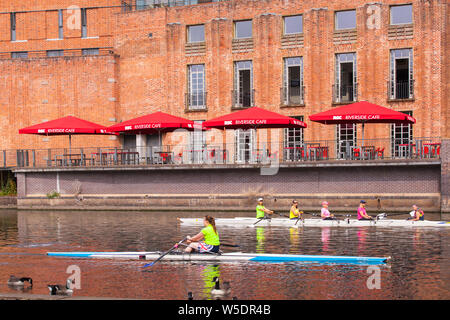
252	118
361	112
153	123
65	126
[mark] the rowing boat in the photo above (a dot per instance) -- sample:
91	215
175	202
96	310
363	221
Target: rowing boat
224	257
284	222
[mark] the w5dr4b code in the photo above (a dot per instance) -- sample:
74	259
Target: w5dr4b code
236	309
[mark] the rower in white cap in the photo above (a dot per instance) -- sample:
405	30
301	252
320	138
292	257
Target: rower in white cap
261	211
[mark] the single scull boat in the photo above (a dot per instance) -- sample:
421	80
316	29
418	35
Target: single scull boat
224	257
284	222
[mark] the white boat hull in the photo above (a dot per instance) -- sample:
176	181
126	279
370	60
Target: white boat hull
284	222
224	257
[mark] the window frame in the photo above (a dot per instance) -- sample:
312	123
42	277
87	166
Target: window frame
13	26
336	20
188	34
235	29
401	5
284	25
190	83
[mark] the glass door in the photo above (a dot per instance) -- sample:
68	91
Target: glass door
245	144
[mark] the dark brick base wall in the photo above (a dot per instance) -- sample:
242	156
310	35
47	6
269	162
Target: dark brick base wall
384	186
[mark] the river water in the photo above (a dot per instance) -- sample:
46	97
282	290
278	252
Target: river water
419	269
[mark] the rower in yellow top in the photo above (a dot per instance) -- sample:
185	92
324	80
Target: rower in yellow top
295	213
261	211
208	234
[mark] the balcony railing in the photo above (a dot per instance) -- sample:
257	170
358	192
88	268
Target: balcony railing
272	152
293	96
400	90
132	5
345	93
243	99
195	101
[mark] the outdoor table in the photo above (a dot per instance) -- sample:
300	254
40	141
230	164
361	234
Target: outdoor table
313	152
431	149
216	154
294	153
68	159
196	154
322	153
368	152
165	157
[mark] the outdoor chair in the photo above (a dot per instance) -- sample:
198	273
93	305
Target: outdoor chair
379	153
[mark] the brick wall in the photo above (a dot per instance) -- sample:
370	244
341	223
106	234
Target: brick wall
150	73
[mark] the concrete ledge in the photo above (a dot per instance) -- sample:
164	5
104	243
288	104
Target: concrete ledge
397	202
304	164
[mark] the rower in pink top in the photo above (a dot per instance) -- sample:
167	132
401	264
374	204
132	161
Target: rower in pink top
325	213
362	214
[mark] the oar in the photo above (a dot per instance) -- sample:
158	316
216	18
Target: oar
281	215
230	245
171	249
260	219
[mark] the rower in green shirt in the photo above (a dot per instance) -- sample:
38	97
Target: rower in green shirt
261	211
208	234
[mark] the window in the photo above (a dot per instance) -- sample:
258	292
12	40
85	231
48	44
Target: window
345	20
55	53
83	23
401	137
401	14
13	26
345	89
245	145
243	84
60	24
243	29
293	141
196	33
345	140
197	143
292	92
401	74
196	98
293	24
19	55
142	4
91	51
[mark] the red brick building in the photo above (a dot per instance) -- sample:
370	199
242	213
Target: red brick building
109	60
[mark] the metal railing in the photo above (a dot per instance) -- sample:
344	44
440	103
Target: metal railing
345	93
243	99
400	90
195	101
293	96
136	5
226	153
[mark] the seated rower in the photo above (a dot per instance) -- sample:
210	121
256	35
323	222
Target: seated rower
210	235
261	211
362	214
417	214
325	213
295	213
